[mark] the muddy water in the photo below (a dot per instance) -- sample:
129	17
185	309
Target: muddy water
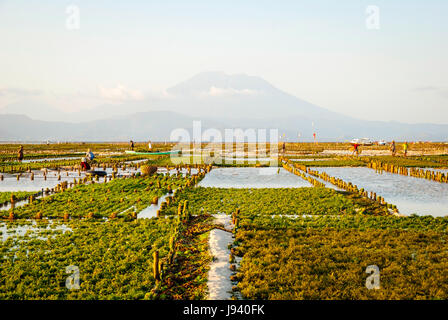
252	178
409	194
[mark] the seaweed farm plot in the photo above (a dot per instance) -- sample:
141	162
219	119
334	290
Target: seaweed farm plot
409	194
119	197
272	177
26	230
96	260
352	257
228	206
271	201
326	249
87	243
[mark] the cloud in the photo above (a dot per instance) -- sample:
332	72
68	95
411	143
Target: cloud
442	91
19	92
219	92
9	95
120	93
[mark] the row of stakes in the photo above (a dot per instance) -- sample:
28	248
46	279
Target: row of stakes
61	187
232	259
104	166
114	173
344	185
59	175
379	167
183	215
314	182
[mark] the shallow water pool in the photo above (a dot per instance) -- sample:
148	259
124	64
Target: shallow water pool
409	194
252	178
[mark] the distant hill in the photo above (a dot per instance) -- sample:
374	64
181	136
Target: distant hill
220	101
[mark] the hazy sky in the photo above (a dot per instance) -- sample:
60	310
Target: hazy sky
318	50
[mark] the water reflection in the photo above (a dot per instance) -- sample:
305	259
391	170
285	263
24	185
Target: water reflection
252	178
409	194
151	211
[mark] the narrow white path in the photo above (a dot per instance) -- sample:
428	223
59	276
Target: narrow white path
219	284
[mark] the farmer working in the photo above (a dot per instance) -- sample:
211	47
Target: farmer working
20	154
405	148
90	156
84	165
132	145
355	148
392	148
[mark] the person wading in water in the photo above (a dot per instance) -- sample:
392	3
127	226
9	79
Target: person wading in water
20	154
405	148
392	148
355	149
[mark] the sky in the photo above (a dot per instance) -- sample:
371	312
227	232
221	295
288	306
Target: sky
386	64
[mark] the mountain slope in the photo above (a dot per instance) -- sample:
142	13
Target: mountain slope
220	101
158	125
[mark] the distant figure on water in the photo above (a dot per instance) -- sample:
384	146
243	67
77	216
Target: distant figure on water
132	145
84	165
393	148
405	148
20	154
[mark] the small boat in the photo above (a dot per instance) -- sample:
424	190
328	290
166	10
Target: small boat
152	153
363	142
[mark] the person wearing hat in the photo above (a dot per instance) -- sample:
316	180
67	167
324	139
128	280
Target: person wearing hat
84	165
